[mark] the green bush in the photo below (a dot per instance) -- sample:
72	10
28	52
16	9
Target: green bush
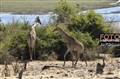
91	23
49	45
65	11
48	41
19	44
11	40
2	28
5	38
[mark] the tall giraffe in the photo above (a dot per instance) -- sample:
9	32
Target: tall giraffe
73	46
31	38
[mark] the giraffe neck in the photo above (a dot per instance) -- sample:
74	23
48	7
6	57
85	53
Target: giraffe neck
33	32
64	35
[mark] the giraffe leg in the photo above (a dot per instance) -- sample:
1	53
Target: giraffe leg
34	53
30	50
72	59
77	59
65	56
85	56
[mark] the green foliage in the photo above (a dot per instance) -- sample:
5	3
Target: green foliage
90	22
65	11
4	43
46	37
11	40
47	42
18	43
2	28
49	45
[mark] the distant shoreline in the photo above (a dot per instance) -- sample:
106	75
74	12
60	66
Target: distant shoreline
42	13
41	7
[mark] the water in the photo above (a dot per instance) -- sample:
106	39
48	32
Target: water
108	14
46	18
108	10
111	17
9	18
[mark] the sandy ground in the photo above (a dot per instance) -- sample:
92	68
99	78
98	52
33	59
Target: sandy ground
55	70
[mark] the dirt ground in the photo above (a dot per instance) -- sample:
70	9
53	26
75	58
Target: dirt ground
55	70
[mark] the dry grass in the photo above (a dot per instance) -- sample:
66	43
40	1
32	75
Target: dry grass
38	6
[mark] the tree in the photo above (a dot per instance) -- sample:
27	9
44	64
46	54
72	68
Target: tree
91	23
65	11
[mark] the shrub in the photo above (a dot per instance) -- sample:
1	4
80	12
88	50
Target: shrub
48	41
18	45
91	23
2	28
14	41
65	11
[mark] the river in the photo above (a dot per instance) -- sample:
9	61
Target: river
109	14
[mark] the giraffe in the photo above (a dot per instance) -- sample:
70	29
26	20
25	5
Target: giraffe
31	38
73	46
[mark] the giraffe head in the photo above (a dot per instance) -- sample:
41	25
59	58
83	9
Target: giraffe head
37	23
37	20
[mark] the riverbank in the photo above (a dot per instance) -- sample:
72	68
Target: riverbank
44	6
